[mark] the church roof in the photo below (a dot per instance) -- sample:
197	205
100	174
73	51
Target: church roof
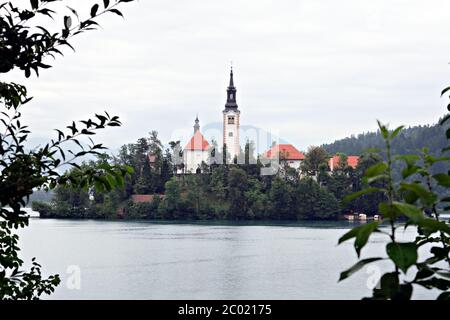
197	142
284	151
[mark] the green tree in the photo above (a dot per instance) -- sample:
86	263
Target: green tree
314	157
194	194
249	153
177	155
166	170
219	182
315	202
143	184
155	147
26	46
226	157
169	207
237	186
280	196
340	182
257	201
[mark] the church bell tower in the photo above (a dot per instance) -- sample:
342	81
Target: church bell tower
231	121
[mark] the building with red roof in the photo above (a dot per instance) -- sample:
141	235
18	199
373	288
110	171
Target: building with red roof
285	153
197	143
333	163
138	198
196	150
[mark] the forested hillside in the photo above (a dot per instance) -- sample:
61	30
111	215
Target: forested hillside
239	191
410	140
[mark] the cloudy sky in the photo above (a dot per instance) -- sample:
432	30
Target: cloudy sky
313	70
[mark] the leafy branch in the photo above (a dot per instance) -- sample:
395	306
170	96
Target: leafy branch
23	171
411	202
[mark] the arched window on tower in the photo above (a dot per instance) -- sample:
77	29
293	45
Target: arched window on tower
231	96
231	120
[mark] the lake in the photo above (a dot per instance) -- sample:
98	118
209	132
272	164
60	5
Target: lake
166	260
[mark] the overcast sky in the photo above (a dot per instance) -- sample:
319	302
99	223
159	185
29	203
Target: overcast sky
315	71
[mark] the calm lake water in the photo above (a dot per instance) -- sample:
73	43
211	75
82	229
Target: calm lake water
163	260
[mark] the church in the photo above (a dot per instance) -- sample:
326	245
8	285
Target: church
198	149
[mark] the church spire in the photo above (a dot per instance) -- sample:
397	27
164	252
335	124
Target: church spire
231	78
231	93
196	125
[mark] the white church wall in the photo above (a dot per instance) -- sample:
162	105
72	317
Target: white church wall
193	159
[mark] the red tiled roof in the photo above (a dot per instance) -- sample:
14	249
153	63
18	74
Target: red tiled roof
197	142
285	151
145	197
352	161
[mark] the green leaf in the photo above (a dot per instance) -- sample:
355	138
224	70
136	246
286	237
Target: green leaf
67	22
404	255
411	167
362	234
409	171
443	274
383	129
388	286
444	296
404	292
75	13
442	179
408	158
129	169
432	225
361	263
412	212
94	10
116	12
386	210
372	179
376	170
396	132
423	274
439	254
360	193
34	4
432	160
444	91
439	283
427	197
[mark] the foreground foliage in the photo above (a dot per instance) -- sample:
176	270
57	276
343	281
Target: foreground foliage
411	203
26	46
